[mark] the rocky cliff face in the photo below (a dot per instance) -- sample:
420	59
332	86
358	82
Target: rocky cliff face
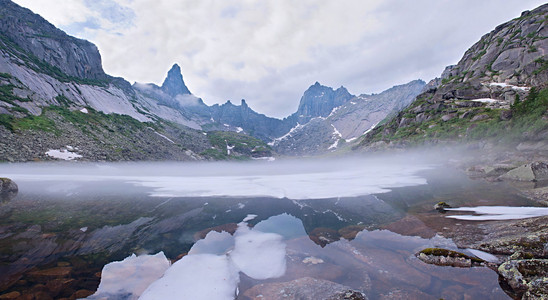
512	54
23	29
483	95
319	101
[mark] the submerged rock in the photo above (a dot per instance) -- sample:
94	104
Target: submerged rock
441	206
8	189
304	288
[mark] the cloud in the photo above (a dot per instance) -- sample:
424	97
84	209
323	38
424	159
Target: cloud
269	52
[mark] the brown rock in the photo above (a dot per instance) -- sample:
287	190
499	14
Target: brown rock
230	228
323	236
81	294
350	232
51	273
11	295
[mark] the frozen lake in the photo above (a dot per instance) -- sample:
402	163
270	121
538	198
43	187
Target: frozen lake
238	230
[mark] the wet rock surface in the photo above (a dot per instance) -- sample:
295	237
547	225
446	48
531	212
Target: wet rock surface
528	278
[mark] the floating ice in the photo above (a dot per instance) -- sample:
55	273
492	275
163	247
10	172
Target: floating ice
487	213
128	279
259	255
483	255
215	275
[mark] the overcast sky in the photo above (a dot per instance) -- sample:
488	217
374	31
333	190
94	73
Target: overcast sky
270	51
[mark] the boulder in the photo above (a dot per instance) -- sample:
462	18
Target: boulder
506	115
444	257
480	117
8	189
448	117
530	172
526	276
441	206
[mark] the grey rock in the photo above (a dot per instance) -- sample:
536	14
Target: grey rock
8	189
448	117
527	277
479	117
530	172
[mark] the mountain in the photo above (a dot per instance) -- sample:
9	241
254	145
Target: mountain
492	94
56	98
174	84
347	119
56	102
66	56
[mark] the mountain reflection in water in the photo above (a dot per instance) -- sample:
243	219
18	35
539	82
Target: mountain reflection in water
57	236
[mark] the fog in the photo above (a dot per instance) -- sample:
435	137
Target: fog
292	178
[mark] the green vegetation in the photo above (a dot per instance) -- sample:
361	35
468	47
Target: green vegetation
63	100
543	66
7	95
85	122
244	146
529	120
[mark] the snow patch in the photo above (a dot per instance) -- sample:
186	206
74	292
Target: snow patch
370	128
334	145
239	129
64	154
487	100
287	135
163	136
515	87
487	213
267	158
84	110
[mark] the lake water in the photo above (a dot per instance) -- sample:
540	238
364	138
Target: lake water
238	230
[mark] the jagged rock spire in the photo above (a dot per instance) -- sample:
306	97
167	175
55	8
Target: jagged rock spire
174	84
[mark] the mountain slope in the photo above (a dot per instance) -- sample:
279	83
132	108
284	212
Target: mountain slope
479	98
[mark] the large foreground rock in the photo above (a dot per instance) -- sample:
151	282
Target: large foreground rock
8	189
530	172
526	276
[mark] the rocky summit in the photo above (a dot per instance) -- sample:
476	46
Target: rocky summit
174	84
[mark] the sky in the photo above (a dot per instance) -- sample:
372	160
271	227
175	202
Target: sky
270	51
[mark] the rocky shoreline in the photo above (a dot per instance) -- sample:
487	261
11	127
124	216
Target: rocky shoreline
520	245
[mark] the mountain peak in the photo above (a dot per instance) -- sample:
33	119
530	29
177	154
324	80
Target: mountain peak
174	84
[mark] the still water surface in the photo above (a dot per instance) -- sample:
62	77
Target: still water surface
220	231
